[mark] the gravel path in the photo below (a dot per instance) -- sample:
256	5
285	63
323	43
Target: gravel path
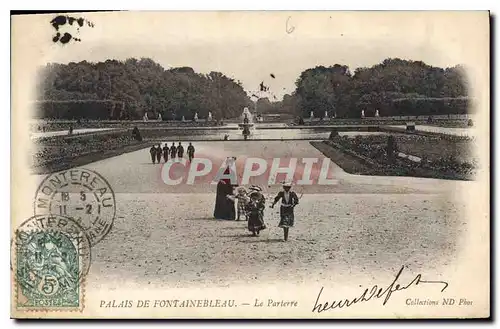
165	235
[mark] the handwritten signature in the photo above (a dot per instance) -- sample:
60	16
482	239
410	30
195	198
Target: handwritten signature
374	292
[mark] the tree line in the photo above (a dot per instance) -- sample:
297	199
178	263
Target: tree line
393	87
128	89
138	87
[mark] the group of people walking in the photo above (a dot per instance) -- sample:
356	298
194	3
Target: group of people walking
175	152
250	205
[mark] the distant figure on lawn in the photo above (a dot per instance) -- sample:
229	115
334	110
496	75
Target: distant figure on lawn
190	152
173	151
152	151
180	151
158	153
165	152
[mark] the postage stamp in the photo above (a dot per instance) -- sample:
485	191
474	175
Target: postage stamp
81	194
52	256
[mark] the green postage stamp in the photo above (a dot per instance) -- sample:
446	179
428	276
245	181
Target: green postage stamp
51	259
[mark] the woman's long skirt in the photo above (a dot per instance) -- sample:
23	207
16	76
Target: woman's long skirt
287	217
224	208
256	221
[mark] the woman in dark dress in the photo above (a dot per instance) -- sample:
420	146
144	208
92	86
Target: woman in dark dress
255	210
224	200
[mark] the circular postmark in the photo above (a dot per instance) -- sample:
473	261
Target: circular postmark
51	257
81	194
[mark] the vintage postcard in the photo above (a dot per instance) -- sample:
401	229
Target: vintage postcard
180	165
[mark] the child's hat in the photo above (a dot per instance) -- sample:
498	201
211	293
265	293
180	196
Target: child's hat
287	184
255	188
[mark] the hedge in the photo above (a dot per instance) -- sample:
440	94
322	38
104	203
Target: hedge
79	109
430	106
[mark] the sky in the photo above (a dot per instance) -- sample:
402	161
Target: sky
249	46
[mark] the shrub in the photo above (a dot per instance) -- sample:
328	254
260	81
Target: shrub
430	106
78	109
